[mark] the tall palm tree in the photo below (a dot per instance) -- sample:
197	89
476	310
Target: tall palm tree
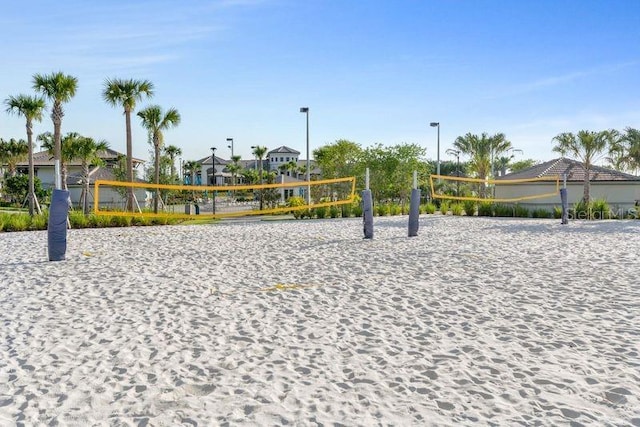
126	93
482	150
87	150
586	146
12	152
58	88
234	168
191	167
156	121
172	151
31	108
66	152
624	153
259	152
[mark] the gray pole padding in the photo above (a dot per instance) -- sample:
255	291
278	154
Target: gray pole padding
414	212
57	228
367	214
565	205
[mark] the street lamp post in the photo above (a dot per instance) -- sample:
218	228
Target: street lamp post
456	153
213	179
230	146
253	147
433	125
306	111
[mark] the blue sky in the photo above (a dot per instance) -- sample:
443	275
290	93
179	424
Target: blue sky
369	71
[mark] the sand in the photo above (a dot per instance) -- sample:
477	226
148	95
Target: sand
474	321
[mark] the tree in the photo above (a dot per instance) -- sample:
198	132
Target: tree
58	88
191	168
12	152
586	146
66	153
31	108
522	164
624	152
156	121
259	152
172	151
482	150
87	150
126	93
234	168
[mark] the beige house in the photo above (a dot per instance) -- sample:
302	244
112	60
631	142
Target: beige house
43	166
619	189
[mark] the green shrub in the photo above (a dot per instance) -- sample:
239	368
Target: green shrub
521	212
39	221
600	209
485	209
429	208
357	210
382	209
334	212
469	207
503	210
395	209
347	210
444	207
457	209
78	220
18	222
541	213
320	212
557	212
295	202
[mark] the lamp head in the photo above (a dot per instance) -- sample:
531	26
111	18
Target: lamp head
229	139
434	124
304	109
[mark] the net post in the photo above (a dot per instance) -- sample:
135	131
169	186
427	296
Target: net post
414	207
367	208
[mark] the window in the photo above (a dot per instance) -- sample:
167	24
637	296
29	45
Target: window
287	159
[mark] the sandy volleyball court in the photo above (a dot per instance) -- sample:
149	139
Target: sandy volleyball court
474	321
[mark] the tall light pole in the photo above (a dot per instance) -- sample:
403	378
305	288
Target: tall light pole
433	125
213	179
230	146
306	111
253	147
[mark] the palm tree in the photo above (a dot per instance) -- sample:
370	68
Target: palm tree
58	88
12	152
191	167
156	121
172	151
586	146
234	168
126	93
624	152
31	107
259	152
482	150
87	150
66	153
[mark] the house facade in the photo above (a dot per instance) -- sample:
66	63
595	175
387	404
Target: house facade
44	169
619	189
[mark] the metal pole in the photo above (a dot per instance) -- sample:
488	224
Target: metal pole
438	171
306	111
230	146
213	179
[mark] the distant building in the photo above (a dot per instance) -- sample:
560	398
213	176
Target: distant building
620	190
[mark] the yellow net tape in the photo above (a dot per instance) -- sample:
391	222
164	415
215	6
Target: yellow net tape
337	191
488	183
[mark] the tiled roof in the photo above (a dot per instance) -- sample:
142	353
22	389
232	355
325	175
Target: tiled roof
43	158
574	170
284	149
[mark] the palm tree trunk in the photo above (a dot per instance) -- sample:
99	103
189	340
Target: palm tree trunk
586	189
156	146
56	117
127	115
85	188
32	192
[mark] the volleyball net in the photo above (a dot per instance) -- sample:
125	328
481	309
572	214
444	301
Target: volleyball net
117	198
493	190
